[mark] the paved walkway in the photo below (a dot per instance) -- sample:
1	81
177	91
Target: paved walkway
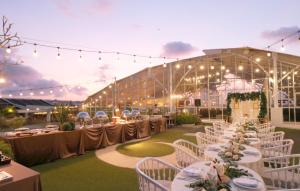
112	156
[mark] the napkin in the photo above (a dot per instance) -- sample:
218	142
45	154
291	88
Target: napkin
192	171
212	148
246	181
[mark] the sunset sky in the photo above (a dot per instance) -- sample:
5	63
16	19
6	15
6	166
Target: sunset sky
172	28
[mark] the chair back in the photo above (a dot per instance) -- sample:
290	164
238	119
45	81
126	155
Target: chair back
155	174
187	152
278	148
203	139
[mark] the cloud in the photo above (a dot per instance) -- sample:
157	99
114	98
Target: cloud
25	79
101	6
65	6
281	33
177	49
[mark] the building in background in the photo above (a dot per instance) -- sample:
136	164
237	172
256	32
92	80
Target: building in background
208	79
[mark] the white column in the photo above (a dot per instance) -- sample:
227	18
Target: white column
170	88
275	80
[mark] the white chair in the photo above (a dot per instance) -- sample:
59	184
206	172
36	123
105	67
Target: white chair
272	137
203	139
155	175
187	153
283	172
209	130
263	131
278	148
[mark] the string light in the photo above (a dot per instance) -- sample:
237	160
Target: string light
99	58
8	50
58	53
189	66
269	54
51	92
201	67
21	94
212	67
282	46
241	68
257	59
35	54
256	70
134	61
31	93
177	66
222	67
164	65
80	55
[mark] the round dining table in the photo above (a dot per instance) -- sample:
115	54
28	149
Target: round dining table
252	157
181	180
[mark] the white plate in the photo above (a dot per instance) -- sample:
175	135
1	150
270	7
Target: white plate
192	172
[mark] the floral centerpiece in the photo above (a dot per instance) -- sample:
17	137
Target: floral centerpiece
241	138
218	177
250	126
231	152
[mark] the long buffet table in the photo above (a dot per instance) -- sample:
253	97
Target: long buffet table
42	148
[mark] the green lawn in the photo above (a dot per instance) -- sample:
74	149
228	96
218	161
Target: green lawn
88	173
292	134
85	173
151	148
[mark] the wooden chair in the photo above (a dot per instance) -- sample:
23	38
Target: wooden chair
155	175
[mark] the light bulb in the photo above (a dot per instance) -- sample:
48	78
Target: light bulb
31	93
282	48
241	67
35	54
222	67
189	66
58	56
269	54
2	80
21	94
164	65
51	92
10	95
8	50
257	59
227	71
177	66
256	70
212	67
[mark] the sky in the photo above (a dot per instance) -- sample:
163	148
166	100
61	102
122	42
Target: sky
170	28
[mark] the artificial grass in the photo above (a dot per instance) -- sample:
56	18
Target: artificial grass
86	173
293	134
150	147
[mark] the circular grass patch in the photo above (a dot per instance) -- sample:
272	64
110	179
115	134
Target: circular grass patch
145	149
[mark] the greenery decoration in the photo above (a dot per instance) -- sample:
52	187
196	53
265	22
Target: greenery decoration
231	171
6	149
249	96
186	118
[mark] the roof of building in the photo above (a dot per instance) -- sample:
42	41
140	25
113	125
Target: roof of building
20	103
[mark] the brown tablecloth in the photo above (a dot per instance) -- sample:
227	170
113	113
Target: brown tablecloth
44	148
24	179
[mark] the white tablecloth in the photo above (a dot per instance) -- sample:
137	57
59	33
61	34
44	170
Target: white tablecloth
250	160
229	134
179	184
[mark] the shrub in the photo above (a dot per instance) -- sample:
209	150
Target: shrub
14	122
67	126
6	149
186	119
